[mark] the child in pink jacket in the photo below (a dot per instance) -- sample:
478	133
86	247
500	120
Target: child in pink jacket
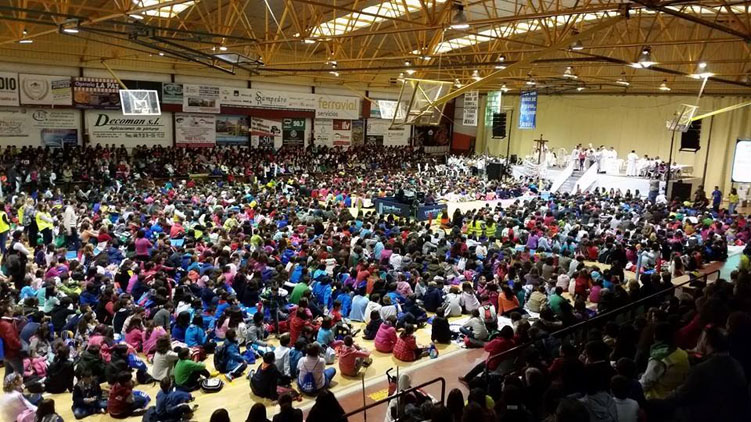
385	338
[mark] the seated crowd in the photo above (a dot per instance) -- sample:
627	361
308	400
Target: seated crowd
140	283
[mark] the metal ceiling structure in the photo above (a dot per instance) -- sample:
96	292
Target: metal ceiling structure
368	44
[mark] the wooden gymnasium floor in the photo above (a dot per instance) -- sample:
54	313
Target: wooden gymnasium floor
237	398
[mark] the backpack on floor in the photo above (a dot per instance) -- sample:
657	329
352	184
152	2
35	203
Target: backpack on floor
212	385
220	358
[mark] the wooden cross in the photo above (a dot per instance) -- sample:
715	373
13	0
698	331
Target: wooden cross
540	144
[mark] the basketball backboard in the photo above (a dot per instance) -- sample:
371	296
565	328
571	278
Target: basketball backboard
416	102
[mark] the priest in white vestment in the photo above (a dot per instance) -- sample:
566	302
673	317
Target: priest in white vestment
631	168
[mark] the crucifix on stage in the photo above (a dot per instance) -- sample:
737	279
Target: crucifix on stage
540	144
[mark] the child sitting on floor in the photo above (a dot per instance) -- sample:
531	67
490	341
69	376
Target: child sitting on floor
264	380
352	357
372	328
386	337
406	348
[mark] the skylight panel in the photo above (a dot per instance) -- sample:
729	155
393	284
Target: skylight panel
364	18
166	12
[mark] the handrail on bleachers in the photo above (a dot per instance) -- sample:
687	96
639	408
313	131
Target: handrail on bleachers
398	394
598	319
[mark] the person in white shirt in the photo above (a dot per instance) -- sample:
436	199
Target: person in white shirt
281	353
631	168
373	305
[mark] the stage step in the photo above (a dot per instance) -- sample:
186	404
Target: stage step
570	183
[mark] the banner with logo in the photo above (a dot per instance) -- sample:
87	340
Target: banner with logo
201	99
232	130
8	89
258	98
391	206
112	127
99	93
528	110
45	90
337	107
430	212
35	127
471	103
172	93
380	132
293	132
195	130
263	132
333	132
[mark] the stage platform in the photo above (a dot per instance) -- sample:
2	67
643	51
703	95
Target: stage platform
611	181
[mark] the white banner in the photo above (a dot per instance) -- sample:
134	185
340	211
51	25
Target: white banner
8	89
264	132
112	127
201	98
337	107
333	132
45	90
35	127
471	103
195	130
380	133
257	98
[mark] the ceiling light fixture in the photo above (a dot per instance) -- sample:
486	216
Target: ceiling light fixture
504	88
664	86
70	26
457	83
335	73
577	46
161	53
222	48
645	59
501	59
407	63
622	80
476	75
410	71
26	41
460	19
308	41
701	71
581	88
569	73
135	16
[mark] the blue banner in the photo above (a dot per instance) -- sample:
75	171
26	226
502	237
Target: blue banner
528	110
427	212
391	206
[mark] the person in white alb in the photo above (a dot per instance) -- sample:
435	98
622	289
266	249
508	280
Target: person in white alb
631	168
70	222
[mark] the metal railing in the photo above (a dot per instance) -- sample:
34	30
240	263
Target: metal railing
397	395
578	331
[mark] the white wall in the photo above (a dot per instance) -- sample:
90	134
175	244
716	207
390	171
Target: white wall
273	86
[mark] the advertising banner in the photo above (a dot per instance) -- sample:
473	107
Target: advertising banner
427	212
35	127
232	130
293	132
45	90
195	130
201	99
528	110
258	98
380	132
8	89
337	107
172	93
264	131
99	93
390	206
358	132
112	127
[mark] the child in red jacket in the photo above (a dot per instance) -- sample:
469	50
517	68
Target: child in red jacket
352	357
406	348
